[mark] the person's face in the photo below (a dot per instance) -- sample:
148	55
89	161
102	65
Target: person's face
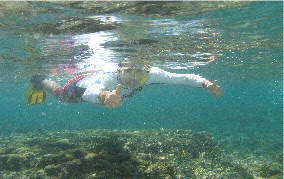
131	77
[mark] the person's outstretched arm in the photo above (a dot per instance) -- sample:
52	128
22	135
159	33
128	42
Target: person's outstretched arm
214	88
158	75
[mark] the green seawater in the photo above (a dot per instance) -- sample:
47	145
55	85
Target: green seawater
59	38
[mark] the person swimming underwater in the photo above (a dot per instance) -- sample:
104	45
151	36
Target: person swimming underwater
112	89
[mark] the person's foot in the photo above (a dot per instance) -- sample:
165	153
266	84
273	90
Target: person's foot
36	81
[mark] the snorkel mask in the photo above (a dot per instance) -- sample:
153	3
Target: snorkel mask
132	75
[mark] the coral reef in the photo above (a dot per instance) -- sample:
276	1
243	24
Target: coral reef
123	154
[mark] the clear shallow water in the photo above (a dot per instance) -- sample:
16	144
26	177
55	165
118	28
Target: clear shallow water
246	41
63	39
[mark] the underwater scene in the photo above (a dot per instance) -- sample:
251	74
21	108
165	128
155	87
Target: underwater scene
52	126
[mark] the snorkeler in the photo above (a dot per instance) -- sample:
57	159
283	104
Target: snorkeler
112	89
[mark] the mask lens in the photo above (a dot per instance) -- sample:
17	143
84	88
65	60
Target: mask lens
127	72
131	75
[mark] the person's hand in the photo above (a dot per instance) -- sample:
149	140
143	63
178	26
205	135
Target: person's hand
111	99
214	88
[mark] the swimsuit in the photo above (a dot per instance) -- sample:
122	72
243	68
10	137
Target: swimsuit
71	93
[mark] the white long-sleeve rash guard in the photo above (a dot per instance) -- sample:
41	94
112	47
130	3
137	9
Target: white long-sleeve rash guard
108	81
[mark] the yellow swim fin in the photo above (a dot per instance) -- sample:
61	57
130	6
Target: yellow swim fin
36	96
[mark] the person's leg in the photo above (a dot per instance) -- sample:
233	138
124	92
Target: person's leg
50	86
